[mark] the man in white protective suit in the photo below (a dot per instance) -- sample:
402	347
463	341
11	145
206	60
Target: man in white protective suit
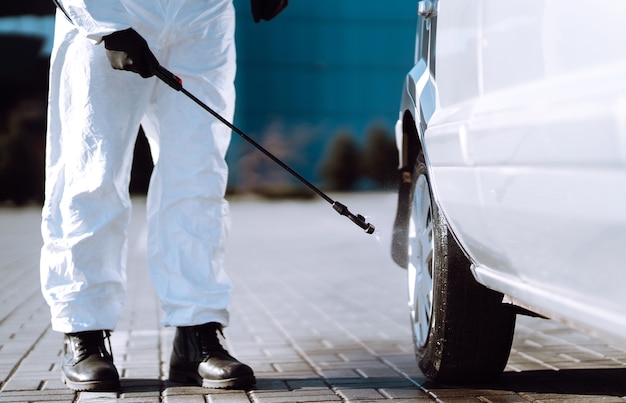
95	110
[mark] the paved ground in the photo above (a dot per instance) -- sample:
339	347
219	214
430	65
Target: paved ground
319	312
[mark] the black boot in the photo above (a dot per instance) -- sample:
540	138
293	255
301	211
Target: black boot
199	358
87	365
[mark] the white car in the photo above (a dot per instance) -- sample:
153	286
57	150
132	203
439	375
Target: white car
512	143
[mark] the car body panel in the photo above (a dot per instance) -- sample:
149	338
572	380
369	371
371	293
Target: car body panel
523	123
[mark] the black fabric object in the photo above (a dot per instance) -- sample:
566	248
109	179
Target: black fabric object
127	50
267	9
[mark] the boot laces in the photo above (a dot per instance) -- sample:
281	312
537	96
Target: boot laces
88	343
208	339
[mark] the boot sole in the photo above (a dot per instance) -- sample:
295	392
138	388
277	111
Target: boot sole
102	386
233	383
193	378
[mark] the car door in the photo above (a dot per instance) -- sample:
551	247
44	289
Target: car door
541	129
449	152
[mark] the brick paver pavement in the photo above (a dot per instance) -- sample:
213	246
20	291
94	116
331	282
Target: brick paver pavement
319	311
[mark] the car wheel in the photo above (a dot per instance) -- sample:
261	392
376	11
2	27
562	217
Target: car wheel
462	332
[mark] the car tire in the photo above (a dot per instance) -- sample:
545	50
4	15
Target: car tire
462	331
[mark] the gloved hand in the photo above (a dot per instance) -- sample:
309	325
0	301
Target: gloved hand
127	50
267	9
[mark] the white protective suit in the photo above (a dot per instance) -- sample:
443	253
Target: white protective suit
93	120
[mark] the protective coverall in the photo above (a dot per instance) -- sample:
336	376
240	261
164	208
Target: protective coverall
93	119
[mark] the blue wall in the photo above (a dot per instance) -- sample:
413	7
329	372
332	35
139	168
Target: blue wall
320	67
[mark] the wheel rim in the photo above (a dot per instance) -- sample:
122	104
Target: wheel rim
421	261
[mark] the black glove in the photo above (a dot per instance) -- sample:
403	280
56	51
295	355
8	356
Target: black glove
267	9
127	50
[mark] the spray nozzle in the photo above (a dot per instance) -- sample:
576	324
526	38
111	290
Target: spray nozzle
357	219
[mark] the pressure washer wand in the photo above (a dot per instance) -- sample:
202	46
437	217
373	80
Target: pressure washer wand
176	83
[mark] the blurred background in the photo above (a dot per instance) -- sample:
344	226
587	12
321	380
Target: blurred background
319	87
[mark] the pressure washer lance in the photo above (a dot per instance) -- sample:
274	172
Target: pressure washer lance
176	83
